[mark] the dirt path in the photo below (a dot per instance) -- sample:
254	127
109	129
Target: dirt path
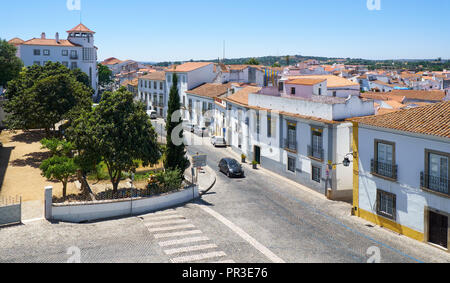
20	175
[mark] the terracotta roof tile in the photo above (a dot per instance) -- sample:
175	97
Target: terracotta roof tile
433	120
80	28
156	76
187	67
210	90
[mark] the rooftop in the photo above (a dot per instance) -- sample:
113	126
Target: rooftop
332	81
210	90
50	42
156	76
80	28
308	81
188	67
241	96
433	120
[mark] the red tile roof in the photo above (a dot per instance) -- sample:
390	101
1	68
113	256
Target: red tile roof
433	120
80	28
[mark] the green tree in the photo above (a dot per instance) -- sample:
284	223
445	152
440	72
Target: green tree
10	64
119	131
60	168
58	147
252	61
175	154
104	75
44	95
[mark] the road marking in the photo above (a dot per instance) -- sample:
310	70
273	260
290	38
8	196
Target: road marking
183	241
193	258
162	223
252	241
159	218
171	228
170	211
177	234
190	249
225	261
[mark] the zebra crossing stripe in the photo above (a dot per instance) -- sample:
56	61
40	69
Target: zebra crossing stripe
178	234
197	257
183	241
190	249
171	228
163	223
160	218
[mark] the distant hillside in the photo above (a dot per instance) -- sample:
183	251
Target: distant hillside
400	64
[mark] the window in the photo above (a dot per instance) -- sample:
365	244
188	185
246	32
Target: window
293	90
203	107
291	164
280	86
155	85
291	142
316	174
73	54
320	91
269	126
316	149
46	52
386	204
73	65
436	177
37	52
66	64
384	163
37	63
258	125
161	86
334	93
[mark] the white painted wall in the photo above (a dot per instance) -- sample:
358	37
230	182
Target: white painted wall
410	158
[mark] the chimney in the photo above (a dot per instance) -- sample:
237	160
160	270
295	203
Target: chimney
57	37
43	35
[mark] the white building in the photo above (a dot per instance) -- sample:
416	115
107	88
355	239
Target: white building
152	91
403	172
302	138
190	75
78	51
201	104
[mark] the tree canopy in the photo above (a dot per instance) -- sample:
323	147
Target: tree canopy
104	75
175	155
10	64
252	61
119	131
44	95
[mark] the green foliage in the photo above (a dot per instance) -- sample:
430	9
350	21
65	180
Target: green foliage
104	75
10	64
59	168
175	155
169	180
118	132
58	147
44	95
252	61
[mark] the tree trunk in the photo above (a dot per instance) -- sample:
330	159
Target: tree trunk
116	185
64	189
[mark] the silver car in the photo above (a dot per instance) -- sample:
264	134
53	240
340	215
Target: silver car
218	141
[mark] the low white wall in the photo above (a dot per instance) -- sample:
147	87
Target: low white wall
83	212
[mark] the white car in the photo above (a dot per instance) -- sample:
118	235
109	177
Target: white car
218	141
153	114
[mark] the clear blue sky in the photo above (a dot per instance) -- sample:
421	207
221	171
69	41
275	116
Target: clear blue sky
149	30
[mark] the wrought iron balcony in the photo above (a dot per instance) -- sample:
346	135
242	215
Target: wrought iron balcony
315	152
382	169
290	145
436	184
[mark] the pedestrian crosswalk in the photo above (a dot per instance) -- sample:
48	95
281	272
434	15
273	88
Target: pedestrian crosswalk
181	240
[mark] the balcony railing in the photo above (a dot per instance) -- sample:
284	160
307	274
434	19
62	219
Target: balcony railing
436	184
315	152
74	57
290	145
387	170
161	104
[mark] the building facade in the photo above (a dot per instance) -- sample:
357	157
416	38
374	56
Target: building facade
401	179
77	51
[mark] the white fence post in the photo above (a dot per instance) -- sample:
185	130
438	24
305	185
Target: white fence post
48	202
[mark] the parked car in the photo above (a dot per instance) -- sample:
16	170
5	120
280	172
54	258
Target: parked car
153	114
218	141
189	127
201	131
231	168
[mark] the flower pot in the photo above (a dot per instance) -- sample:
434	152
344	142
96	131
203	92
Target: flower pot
243	160
255	166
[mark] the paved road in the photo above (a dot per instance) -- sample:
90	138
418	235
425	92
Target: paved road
260	219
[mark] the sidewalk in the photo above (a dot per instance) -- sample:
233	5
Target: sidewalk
206	179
